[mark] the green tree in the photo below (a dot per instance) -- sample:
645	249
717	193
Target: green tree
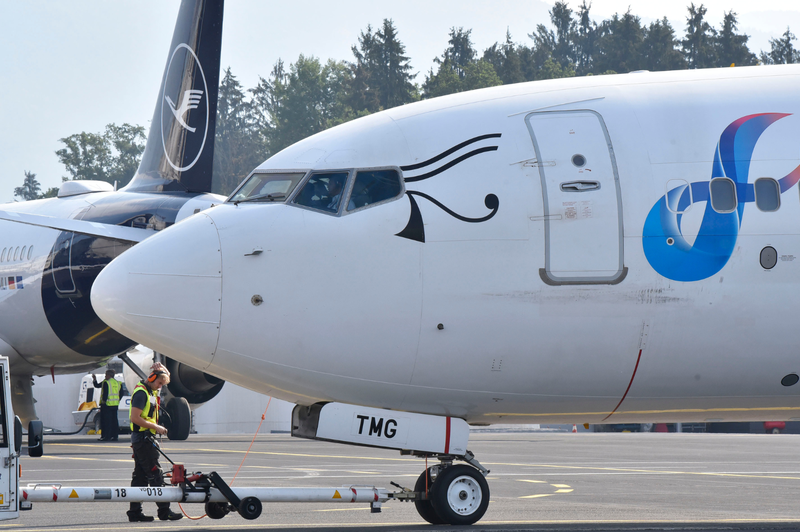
460	51
563	48
362	92
698	46
308	98
238	147
660	47
126	143
619	44
393	73
458	68
584	40
380	76
552	69
783	51
86	156
111	156
505	59
51	192
30	189
731	47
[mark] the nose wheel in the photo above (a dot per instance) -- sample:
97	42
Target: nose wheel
459	495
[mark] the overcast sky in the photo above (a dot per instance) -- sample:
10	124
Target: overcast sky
76	66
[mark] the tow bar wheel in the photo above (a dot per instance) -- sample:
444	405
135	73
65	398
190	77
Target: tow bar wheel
460	495
217	510
250	508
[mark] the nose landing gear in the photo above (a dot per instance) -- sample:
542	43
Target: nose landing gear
452	494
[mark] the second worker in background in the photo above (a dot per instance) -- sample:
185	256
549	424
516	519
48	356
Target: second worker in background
109	406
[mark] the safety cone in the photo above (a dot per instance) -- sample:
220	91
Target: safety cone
574	428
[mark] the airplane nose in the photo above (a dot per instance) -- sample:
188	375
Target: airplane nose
165	292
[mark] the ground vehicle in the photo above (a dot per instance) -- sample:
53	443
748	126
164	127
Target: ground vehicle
11	445
89	397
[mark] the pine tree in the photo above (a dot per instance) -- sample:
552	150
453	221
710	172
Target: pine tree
238	148
731	47
660	47
563	49
698	46
393	73
30	189
506	60
584	41
381	73
458	69
620	43
783	51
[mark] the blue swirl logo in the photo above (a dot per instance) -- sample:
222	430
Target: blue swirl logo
665	247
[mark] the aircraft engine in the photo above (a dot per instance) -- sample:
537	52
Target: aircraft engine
192	384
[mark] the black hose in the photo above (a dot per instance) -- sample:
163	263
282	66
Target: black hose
85	420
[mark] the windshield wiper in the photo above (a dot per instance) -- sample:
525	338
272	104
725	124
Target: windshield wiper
267	197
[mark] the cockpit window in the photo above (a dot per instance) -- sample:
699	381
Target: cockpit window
267	187
374	186
323	191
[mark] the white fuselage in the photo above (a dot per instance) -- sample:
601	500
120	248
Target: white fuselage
551	310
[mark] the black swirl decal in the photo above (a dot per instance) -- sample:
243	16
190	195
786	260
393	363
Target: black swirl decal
415	228
450	164
448	152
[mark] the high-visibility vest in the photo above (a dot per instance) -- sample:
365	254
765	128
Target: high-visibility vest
150	410
114	386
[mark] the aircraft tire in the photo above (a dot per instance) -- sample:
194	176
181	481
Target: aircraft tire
460	495
180	418
424	507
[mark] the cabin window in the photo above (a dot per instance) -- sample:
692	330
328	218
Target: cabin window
30	252
22	255
678	195
267	187
3	257
723	194
324	192
16	253
768	194
374	186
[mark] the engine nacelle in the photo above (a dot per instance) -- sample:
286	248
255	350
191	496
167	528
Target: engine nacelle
192	384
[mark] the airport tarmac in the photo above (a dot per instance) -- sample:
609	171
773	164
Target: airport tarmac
538	481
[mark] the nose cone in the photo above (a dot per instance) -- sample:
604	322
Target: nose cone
165	292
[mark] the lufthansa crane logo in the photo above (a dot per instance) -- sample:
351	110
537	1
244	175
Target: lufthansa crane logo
191	100
185	118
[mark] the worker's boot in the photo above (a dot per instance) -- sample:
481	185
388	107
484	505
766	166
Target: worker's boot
139	518
169	515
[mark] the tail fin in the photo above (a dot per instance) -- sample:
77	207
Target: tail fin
180	147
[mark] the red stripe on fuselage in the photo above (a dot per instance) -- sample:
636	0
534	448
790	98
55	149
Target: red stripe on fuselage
447	437
628	388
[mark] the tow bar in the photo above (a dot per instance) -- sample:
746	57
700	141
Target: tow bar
210	489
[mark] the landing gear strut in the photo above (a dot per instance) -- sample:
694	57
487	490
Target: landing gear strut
452	494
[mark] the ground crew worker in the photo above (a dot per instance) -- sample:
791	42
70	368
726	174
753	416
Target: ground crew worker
109	406
144	426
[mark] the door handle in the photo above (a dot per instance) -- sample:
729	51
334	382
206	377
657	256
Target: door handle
580	186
